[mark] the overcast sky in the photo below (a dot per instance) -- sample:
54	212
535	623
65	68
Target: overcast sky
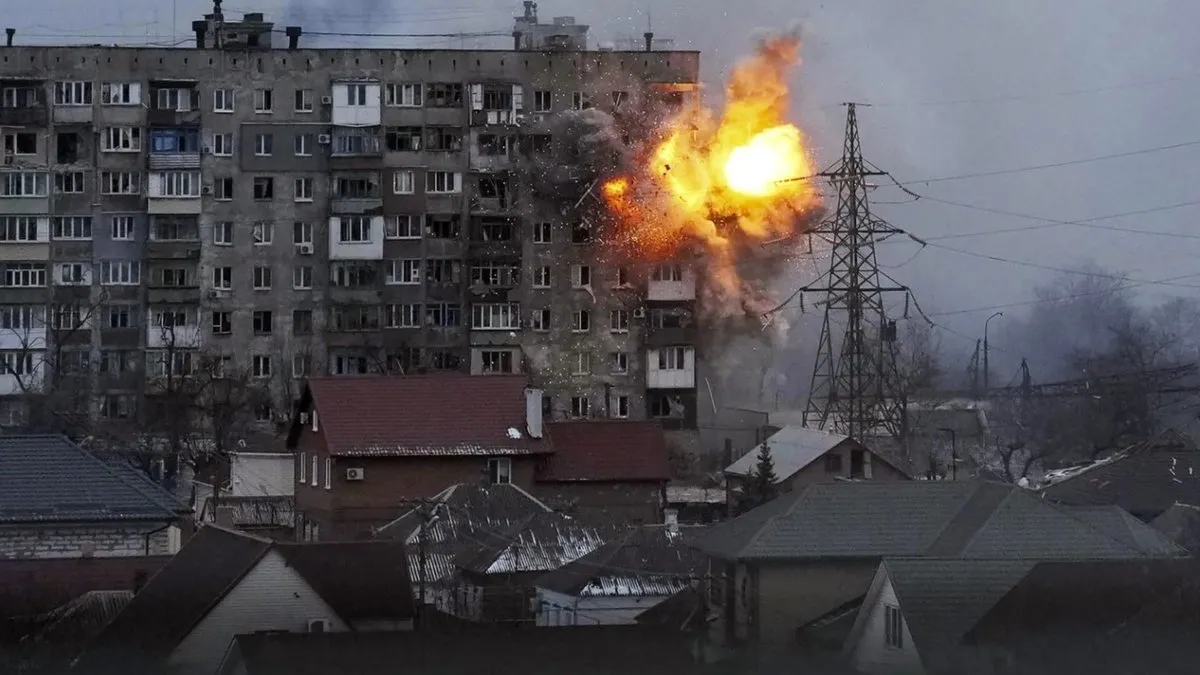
959	87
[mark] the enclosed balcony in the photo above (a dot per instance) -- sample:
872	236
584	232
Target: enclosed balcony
357	142
173	103
174	148
23	103
356	193
493	194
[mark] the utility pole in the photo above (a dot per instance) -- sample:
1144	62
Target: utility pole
973	372
422	538
986	366
857	392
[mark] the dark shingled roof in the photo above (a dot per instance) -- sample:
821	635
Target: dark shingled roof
970	519
606	450
442	414
588	650
358	580
48	479
1181	524
1145	479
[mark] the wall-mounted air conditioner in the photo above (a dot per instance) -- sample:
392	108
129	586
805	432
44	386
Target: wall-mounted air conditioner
639	313
355	473
323	139
304	249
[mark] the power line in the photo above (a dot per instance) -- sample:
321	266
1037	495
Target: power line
1062	298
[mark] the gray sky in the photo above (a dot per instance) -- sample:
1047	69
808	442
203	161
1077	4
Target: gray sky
960	87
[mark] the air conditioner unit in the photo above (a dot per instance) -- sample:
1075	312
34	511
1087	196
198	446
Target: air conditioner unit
354	473
318	625
206	190
323	139
304	249
639	313
326	100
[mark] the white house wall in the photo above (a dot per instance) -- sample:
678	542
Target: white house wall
668	291
365	250
681	378
262	475
271	597
558	609
346	115
83	540
871	655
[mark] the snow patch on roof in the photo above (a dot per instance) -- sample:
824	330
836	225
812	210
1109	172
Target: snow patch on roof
514	433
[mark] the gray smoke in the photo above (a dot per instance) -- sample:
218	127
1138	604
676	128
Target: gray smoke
340	16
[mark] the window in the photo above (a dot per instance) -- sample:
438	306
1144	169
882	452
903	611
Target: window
619	97
18	229
580	101
72	274
223	233
541	277
443	226
222	145
618	321
120	273
496	274
583	363
444	94
668	273
833	463
222	278
122	228
302	233
261	367
543	100
581	406
496	316
404	95
69	317
22	317
353	274
499	470
117	317
620	406
72	93
496	361
303	465
581	233
17	363
302	145
443	139
302	277
223	100
24	275
541	233
222	323
354	230
581	276
304	190
403	272
264	101
354	318
301	365
121	139
893	627
178	100
618	363
69	182
72	227
540	320
177	183
402	316
404	182
21	143
404	139
672	358
263	322
264	188
120	183
443	314
170	317
264	145
303	101
178	228
121	93
356	95
443	182
581	321
302	322
23	184
262	278
402	227
223	189
622	276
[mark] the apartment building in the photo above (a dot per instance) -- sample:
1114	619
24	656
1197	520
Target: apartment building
292	211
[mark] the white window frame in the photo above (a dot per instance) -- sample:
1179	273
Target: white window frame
71	228
583	363
302	277
540	319
120	273
405	95
25	275
222	278
443	182
542	277
224	100
125	182
73	93
222	145
263	233
121	139
496	316
179	184
618	363
581	407
354	230
500	470
223	233
300	473
618	321
72	274
404	182
264	101
402	315
543	232
621	409
302	189
264	145
302	232
19	229
122	228
302	145
303	100
581	276
262	278
19	184
121	93
260	366
70	182
405	226
404	272
356	95
581	321
672	358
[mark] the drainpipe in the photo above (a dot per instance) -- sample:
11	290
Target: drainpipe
151	533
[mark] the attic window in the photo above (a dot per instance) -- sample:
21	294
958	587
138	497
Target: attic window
500	471
833	463
893	627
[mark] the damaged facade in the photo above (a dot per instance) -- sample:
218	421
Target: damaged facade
331	211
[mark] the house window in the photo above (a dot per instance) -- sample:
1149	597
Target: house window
264	145
328	473
264	188
893	627
121	93
302	233
354	230
264	100
541	277
668	273
72	93
402	227
581	406
120	183
672	358
580	100
300	473
315	470
540	320
404	182
304	100
356	95
543	100
223	233
222	323
121	139
407	271
583	363
403	95
496	316
223	100
443	182
262	278
541	233
222	145
500	471
19	229
122	228
620	408
581	321
302	145
581	276
304	189
72	227
120	273
302	278
69	182
833	463
262	368
618	363
402	316
264	233
496	361
618	321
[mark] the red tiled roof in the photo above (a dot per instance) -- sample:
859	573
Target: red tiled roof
424	415
606	450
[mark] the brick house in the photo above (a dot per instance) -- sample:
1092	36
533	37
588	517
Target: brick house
617	469
364	444
58	500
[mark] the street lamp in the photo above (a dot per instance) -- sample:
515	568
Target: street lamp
986	370
953	451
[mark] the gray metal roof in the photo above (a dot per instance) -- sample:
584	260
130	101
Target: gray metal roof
1121	525
909	519
48	479
792	448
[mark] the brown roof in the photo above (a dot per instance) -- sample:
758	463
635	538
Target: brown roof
34	585
360	580
606	450
431	415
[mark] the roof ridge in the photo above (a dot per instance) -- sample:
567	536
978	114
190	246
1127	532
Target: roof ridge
132	479
984	495
1056	508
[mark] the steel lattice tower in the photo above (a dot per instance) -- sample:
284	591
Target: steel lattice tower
858	393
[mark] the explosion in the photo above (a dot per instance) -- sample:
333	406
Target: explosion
721	180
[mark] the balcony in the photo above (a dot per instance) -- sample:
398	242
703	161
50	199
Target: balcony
493	195
357	143
23	104
174	149
356	194
495	237
496	104
493	151
174	104
173	284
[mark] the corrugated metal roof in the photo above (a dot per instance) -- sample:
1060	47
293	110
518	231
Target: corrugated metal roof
461	450
792	449
646	560
624	585
547	543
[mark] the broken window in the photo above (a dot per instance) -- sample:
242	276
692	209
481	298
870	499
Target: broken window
493	193
20	143
497	97
443	226
443	139
302	322
444	359
664	405
443	271
356	187
670	318
67	147
444	95
503	275
494	145
353	275
495	229
354	317
496	361
581	232
175	228
404	139
443	314
404	360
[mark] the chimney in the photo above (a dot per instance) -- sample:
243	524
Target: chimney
531	10
224	517
671	520
200	27
10	32
533	412
516	40
649	39
727	455
293	35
